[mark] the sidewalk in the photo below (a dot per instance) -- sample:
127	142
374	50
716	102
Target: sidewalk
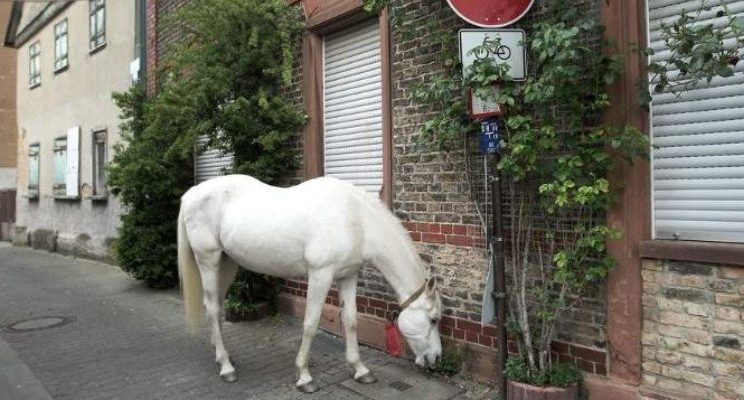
121	340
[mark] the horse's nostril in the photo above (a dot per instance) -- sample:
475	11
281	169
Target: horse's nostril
438	360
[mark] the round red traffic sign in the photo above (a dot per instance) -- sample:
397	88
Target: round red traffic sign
491	13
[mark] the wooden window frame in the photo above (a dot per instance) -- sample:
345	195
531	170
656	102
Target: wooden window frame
328	17
61	61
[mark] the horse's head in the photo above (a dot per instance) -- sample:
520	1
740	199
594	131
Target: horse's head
419	324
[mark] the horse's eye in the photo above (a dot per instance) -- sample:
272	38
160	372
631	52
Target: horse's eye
434	321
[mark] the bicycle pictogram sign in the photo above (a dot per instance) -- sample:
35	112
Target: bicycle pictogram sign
501	45
490	48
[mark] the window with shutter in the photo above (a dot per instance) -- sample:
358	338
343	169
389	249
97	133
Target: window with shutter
352	106
210	162
698	143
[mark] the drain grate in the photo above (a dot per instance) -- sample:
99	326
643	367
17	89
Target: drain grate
400	386
38	324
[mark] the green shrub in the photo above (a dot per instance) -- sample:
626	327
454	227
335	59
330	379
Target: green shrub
226	78
562	374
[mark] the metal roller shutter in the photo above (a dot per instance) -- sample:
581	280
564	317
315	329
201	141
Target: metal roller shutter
698	138
352	113
210	163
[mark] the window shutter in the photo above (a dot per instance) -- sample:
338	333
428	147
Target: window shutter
698	138
72	176
210	163
353	106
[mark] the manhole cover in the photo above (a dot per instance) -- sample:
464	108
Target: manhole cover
400	386
37	324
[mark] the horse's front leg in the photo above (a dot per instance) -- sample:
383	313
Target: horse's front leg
318	284
347	289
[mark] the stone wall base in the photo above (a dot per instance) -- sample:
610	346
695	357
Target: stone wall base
479	362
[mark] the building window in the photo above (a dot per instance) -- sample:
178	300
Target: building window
353	106
34	65
99	163
60	45
60	166
97	23
33	171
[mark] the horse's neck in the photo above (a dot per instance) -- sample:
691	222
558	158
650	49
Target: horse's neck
392	252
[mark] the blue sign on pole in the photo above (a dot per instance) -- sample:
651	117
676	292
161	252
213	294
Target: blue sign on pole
489	137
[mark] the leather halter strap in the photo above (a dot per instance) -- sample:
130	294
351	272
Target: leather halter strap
414	296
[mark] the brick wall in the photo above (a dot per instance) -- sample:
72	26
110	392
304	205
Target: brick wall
693	330
432	195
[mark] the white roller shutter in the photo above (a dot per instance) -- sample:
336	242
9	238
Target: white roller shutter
210	163
352	111
698	138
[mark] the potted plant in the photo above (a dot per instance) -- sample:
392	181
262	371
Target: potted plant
249	297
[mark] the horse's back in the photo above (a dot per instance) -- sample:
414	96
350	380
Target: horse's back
279	231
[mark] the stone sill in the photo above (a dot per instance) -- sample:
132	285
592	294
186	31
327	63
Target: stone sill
66	198
683	250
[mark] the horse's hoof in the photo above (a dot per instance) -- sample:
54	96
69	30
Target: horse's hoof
309	387
366	378
229	377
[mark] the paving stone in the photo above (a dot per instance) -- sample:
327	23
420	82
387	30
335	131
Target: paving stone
130	342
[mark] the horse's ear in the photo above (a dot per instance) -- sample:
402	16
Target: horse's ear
431	286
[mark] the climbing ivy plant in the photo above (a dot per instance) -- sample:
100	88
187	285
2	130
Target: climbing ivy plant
695	52
556	159
225	78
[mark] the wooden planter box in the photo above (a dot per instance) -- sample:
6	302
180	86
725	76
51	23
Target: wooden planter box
523	391
261	311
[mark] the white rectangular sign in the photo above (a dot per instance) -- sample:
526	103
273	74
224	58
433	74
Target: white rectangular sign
72	175
510	50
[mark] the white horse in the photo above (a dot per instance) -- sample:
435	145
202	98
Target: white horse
323	229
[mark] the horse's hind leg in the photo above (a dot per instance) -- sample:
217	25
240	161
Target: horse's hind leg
210	266
347	289
318	284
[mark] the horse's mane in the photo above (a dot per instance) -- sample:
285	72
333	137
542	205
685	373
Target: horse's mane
393	222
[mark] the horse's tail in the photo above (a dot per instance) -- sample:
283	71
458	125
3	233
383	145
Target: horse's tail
188	271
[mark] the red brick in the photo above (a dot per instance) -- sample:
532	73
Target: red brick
445	330
362	309
485	340
489	330
474	230
377	304
410	225
361	300
585	365
471	337
459	240
458	334
422	227
512	347
588	354
468	326
434	228
393	307
448	321
600	369
333	293
446	228
559	347
432	238
460	229
380	313
415	236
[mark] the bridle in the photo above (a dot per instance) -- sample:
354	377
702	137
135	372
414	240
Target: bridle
410	300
